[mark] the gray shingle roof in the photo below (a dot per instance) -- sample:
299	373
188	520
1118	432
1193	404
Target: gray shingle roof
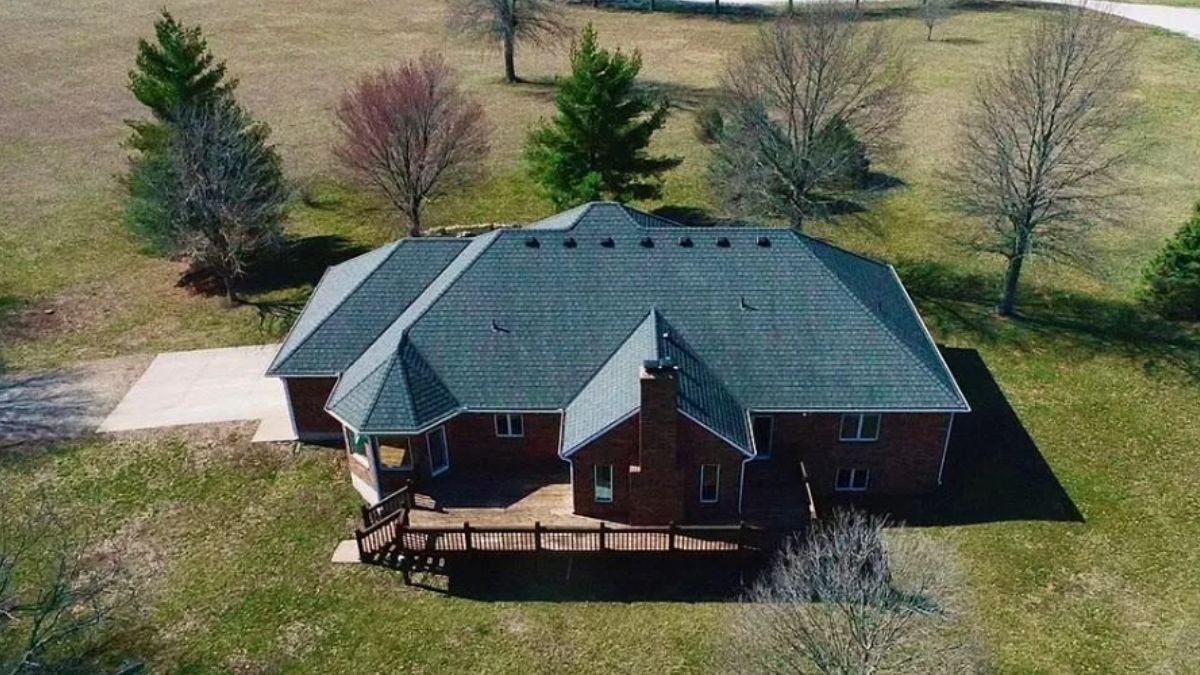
548	317
356	300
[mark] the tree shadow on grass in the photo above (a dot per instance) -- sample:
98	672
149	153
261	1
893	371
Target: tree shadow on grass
300	262
681	96
958	302
612	578
707	9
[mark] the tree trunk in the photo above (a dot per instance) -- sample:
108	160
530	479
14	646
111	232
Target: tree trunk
716	6
510	64
791	7
230	297
414	217
929	35
1012	276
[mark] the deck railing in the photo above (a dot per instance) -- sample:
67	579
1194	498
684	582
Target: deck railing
396	501
394	535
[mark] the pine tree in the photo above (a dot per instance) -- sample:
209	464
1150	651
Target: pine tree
175	71
595	146
1173	277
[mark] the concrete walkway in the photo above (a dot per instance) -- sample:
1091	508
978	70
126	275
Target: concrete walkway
1182	20
203	387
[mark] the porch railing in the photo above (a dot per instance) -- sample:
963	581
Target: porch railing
400	499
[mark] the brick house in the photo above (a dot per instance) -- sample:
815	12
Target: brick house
678	374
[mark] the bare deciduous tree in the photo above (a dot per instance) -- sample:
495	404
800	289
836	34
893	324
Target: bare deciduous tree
1042	145
52	593
536	22
932	13
805	103
412	134
227	197
852	599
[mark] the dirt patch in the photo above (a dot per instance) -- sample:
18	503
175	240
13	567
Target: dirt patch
57	317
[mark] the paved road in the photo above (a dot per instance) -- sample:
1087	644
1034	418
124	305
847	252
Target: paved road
1184	20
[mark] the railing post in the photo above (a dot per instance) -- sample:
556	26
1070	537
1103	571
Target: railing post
741	542
366	515
537	535
671	536
467	535
602	535
358	537
409	499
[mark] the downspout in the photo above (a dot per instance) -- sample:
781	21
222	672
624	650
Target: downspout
945	448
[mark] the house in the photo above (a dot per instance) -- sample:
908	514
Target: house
681	374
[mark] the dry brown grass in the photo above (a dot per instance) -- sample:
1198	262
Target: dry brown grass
63	68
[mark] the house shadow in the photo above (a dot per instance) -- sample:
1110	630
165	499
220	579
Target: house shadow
609	578
994	471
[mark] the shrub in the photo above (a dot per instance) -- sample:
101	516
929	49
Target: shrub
710	123
1173	278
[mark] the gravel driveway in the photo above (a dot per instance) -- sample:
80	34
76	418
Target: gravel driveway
41	407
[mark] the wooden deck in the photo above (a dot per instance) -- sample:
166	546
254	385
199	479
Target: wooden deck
532	515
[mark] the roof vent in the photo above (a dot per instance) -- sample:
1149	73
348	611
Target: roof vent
532	242
497	328
723	242
745	306
607	242
647	242
569	242
685	242
764	242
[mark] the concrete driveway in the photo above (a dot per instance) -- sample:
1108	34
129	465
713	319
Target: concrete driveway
203	387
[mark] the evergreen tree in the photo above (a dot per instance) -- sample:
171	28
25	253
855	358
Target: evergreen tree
175	71
595	146
1173	277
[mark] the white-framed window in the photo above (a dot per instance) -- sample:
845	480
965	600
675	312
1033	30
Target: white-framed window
710	483
509	425
603	474
359	445
764	430
860	427
852	480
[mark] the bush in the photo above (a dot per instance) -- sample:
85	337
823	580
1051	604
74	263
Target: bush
1173	278
840	143
710	123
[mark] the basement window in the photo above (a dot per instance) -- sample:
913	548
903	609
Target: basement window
710	483
509	425
859	428
852	480
604	483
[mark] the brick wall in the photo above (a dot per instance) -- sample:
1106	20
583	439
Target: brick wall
307	397
619	447
475	446
904	461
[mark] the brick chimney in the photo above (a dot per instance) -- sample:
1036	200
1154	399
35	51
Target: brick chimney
656	483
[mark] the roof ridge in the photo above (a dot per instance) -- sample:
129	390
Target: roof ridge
484	241
281	358
891	333
391	365
613	354
829	244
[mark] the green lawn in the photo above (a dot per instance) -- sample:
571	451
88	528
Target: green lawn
237	538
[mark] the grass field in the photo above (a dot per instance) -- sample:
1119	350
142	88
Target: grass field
238	539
